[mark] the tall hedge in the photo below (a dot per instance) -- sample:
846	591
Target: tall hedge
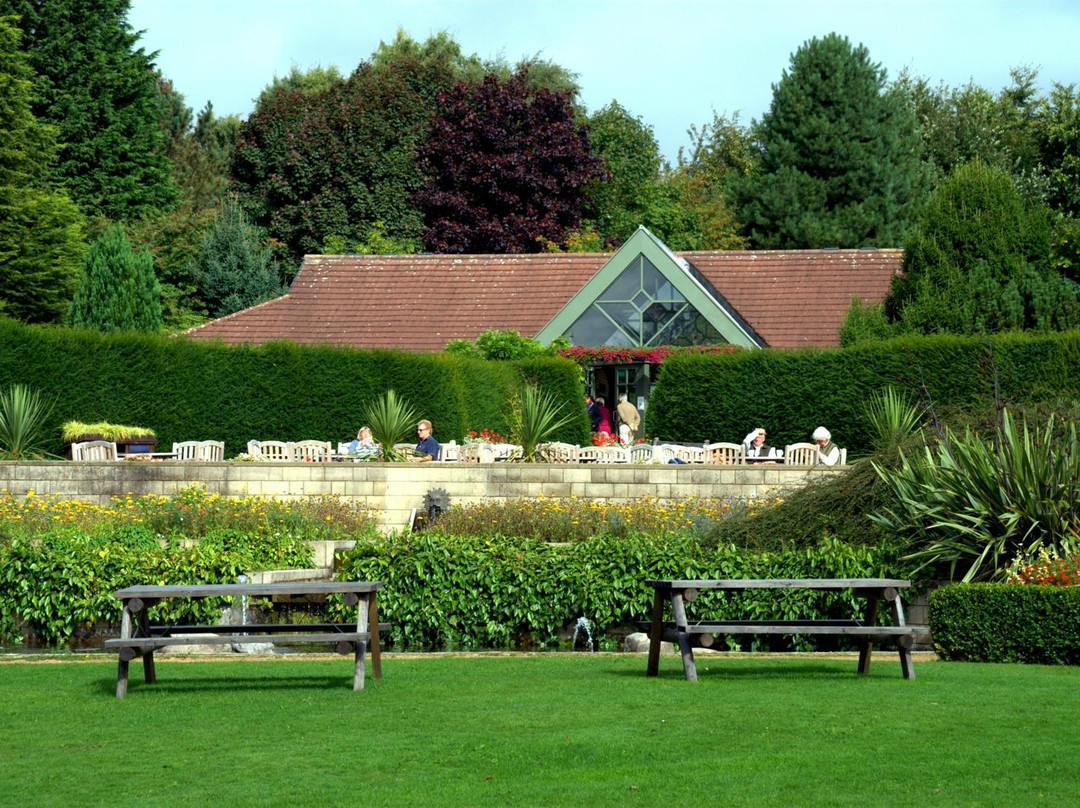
188	390
700	397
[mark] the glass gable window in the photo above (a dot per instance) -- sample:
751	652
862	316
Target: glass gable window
641	308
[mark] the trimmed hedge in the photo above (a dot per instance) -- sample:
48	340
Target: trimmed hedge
700	397
1006	623
189	390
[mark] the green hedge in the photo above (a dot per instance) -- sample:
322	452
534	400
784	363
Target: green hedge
1006	623
61	584
474	592
189	390
700	397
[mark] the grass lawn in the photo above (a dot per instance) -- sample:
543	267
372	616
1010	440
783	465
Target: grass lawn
542	730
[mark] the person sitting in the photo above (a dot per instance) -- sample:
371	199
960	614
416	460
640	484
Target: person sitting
756	448
828	452
364	447
427	449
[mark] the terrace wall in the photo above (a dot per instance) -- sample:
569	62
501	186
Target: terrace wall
394	490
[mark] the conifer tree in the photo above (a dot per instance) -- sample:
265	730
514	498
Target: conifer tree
98	89
839	156
40	227
118	290
235	269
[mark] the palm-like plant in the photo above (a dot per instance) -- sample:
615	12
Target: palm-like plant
539	416
893	419
976	506
392	420
22	417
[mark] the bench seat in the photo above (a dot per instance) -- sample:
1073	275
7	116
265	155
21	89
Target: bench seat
134	647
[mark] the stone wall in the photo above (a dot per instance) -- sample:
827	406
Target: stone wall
395	489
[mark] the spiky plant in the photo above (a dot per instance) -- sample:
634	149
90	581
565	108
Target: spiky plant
22	417
539	416
893	419
392	420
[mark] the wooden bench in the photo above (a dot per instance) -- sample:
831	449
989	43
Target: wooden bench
687	633
138	638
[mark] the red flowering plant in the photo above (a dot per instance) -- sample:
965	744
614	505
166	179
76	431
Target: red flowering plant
611	355
485	435
605	439
1048	571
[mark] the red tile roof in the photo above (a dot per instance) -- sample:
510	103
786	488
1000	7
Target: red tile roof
420	302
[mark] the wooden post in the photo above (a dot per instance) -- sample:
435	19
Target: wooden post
903	644
361	646
122	669
373	629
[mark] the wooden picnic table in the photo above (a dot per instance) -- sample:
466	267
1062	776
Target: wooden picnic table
686	632
138	638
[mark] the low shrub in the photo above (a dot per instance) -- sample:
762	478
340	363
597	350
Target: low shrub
999	622
445	591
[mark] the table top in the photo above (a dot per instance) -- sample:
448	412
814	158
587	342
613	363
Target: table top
781	583
254	590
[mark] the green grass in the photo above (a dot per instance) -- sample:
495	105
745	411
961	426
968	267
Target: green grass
555	729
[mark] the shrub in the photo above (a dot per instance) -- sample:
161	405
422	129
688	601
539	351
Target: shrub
1006	623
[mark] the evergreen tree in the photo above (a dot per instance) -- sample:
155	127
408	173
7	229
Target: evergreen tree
118	290
40	227
978	261
234	269
839	156
98	90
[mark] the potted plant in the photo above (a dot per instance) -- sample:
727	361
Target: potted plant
128	439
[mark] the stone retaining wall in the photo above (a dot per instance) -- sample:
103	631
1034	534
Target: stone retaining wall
394	490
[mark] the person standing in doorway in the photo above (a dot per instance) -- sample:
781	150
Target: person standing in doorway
629	420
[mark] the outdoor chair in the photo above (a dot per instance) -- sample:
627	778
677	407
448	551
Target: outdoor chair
272	450
800	454
503	451
556	452
186	450
212	450
687	454
469	453
94	450
449	451
604	454
316	451
725	454
644	453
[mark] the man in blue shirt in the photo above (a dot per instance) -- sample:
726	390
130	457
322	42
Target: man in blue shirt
428	448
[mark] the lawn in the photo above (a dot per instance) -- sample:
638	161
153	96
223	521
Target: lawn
546	729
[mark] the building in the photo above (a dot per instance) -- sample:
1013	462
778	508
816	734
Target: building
642	295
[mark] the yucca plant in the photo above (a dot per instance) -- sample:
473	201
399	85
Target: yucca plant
392	420
893	419
22	417
974	506
539	415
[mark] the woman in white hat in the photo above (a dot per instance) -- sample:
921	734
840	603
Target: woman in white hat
828	452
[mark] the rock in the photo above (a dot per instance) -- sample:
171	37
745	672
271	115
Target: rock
195	647
638	643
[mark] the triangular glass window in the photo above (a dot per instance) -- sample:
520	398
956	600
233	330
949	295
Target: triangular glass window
641	307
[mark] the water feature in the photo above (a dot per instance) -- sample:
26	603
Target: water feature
582	626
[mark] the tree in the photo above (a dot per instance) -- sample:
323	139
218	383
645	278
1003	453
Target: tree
235	269
507	169
839	156
40	227
98	90
118	290
977	261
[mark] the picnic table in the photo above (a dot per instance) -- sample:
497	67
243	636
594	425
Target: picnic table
686	632
138	638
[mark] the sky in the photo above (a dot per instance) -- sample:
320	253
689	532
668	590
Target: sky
671	63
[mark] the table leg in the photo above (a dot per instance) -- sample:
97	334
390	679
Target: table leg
123	664
656	633
681	625
149	671
362	613
373	628
903	644
869	619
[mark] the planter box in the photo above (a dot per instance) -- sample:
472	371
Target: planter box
138	444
